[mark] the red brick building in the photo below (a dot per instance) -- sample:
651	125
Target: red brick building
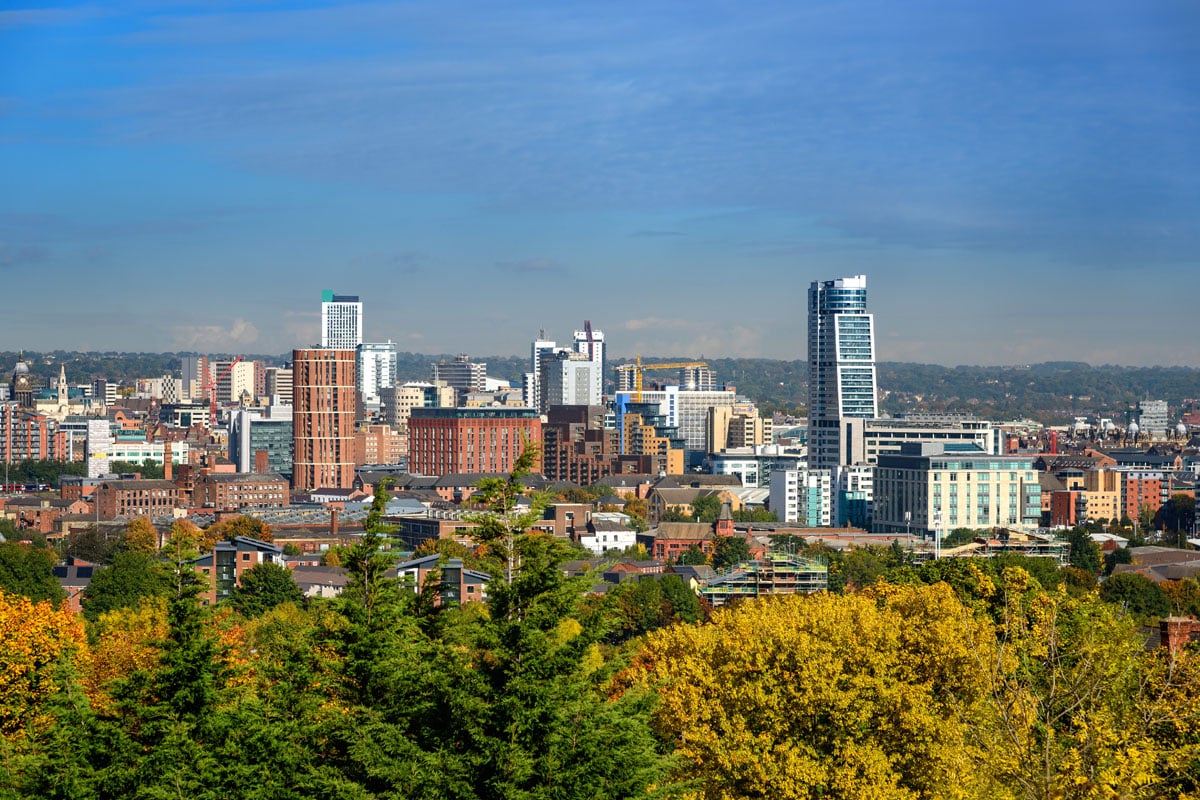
323	408
136	498
451	440
242	490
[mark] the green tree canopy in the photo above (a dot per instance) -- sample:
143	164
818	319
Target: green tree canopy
132	576
264	586
1137	594
28	571
729	551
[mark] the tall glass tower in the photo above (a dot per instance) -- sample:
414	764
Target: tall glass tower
841	365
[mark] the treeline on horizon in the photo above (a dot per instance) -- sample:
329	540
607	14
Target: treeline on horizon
1050	392
1003	678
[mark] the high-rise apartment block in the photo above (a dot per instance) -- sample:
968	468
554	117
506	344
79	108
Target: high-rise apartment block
341	321
376	369
841	364
568	379
590	343
324	402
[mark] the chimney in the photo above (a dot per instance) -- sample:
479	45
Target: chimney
333	522
166	460
1178	631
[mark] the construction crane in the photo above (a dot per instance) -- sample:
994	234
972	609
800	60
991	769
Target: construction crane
211	388
637	368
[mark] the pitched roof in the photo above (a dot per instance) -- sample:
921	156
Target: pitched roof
701	531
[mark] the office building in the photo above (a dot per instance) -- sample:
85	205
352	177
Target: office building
687	411
841	364
235	382
324	405
240	491
279	385
376	370
262	440
863	441
735	427
195	376
443	441
1152	419
462	374
397	402
341	321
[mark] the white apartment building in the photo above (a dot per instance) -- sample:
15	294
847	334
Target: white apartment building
376	370
803	497
341	321
932	486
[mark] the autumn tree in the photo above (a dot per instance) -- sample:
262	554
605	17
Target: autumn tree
35	638
141	535
825	696
247	526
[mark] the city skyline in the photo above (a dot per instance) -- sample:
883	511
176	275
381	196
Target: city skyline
1018	183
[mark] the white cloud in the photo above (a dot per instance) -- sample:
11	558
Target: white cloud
215	337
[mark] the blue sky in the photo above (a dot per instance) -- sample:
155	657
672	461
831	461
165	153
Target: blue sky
1019	181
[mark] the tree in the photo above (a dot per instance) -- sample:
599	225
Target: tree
140	535
823	696
693	556
93	544
706	508
674	515
729	551
35	637
229	529
637	510
131	577
263	587
1084	553
1121	555
754	515
1136	594
29	571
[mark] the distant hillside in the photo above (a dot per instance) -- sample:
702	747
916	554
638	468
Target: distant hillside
1050	392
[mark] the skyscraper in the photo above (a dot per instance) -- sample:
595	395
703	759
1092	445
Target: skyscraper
841	365
341	321
324	400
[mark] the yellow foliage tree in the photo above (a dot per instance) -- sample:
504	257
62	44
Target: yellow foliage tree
127	640
34	639
868	695
140	535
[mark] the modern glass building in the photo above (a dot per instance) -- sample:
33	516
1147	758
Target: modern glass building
841	364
